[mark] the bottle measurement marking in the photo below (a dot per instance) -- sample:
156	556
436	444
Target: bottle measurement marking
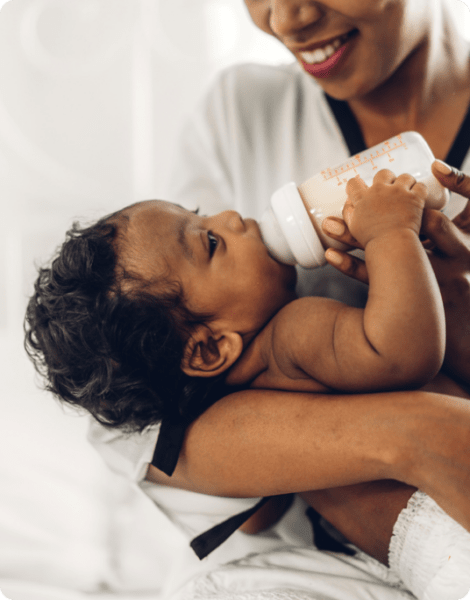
361	159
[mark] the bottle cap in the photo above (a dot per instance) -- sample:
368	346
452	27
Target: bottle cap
288	232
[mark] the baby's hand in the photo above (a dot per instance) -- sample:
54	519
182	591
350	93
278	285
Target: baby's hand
389	204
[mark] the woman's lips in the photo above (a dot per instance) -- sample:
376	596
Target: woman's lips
323	69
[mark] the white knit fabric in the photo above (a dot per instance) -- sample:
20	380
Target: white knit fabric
297	574
430	551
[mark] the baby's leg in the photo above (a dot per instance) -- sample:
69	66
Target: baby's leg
405	529
364	513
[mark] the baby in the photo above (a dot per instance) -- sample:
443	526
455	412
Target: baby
156	309
253	329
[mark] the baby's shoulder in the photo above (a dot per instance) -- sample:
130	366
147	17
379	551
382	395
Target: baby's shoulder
270	359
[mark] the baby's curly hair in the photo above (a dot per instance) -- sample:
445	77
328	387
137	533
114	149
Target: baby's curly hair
105	340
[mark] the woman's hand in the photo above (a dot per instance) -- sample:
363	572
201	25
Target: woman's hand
348	264
449	252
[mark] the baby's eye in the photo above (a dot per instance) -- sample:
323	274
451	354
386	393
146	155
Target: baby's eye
213	242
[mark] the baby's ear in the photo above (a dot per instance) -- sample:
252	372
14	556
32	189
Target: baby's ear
207	354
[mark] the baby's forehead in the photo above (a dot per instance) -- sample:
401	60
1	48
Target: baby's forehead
144	231
153	207
135	218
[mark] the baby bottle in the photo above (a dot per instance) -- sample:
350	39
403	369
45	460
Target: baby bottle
291	225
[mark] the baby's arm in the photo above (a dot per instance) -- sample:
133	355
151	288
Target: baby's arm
398	340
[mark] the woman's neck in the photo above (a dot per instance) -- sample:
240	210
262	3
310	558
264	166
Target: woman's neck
418	95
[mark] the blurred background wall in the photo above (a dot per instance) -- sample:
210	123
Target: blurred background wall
92	96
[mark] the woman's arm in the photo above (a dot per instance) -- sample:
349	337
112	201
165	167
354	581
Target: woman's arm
260	443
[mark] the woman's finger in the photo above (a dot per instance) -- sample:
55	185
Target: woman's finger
456	181
336	228
348	210
452	178
441	232
347	264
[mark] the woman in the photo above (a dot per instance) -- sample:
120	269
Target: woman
387	66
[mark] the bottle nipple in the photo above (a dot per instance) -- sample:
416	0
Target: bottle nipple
274	238
287	230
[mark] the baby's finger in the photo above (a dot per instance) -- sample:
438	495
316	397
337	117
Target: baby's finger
336	229
407	180
420	189
347	264
354	187
384	176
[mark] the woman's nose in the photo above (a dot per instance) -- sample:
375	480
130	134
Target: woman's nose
288	17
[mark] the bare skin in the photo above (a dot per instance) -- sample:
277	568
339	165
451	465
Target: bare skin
317	344
399	71
348	505
449	252
325	442
323	345
353	509
287	442
412	95
366	513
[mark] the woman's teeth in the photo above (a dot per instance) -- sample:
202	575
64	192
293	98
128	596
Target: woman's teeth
319	55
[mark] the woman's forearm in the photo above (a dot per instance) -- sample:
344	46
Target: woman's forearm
259	443
265	442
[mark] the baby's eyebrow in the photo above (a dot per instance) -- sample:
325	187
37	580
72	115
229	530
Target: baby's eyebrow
183	242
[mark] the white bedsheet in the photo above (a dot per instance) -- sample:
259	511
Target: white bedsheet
20	590
66	521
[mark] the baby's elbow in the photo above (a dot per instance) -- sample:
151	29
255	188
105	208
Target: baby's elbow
418	370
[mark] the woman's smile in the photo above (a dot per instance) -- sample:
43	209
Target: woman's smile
321	61
350	46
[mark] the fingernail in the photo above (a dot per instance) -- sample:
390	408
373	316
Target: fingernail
442	167
334	227
333	256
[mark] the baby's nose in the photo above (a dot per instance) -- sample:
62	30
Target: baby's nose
233	221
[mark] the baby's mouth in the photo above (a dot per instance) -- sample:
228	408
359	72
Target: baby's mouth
320	55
